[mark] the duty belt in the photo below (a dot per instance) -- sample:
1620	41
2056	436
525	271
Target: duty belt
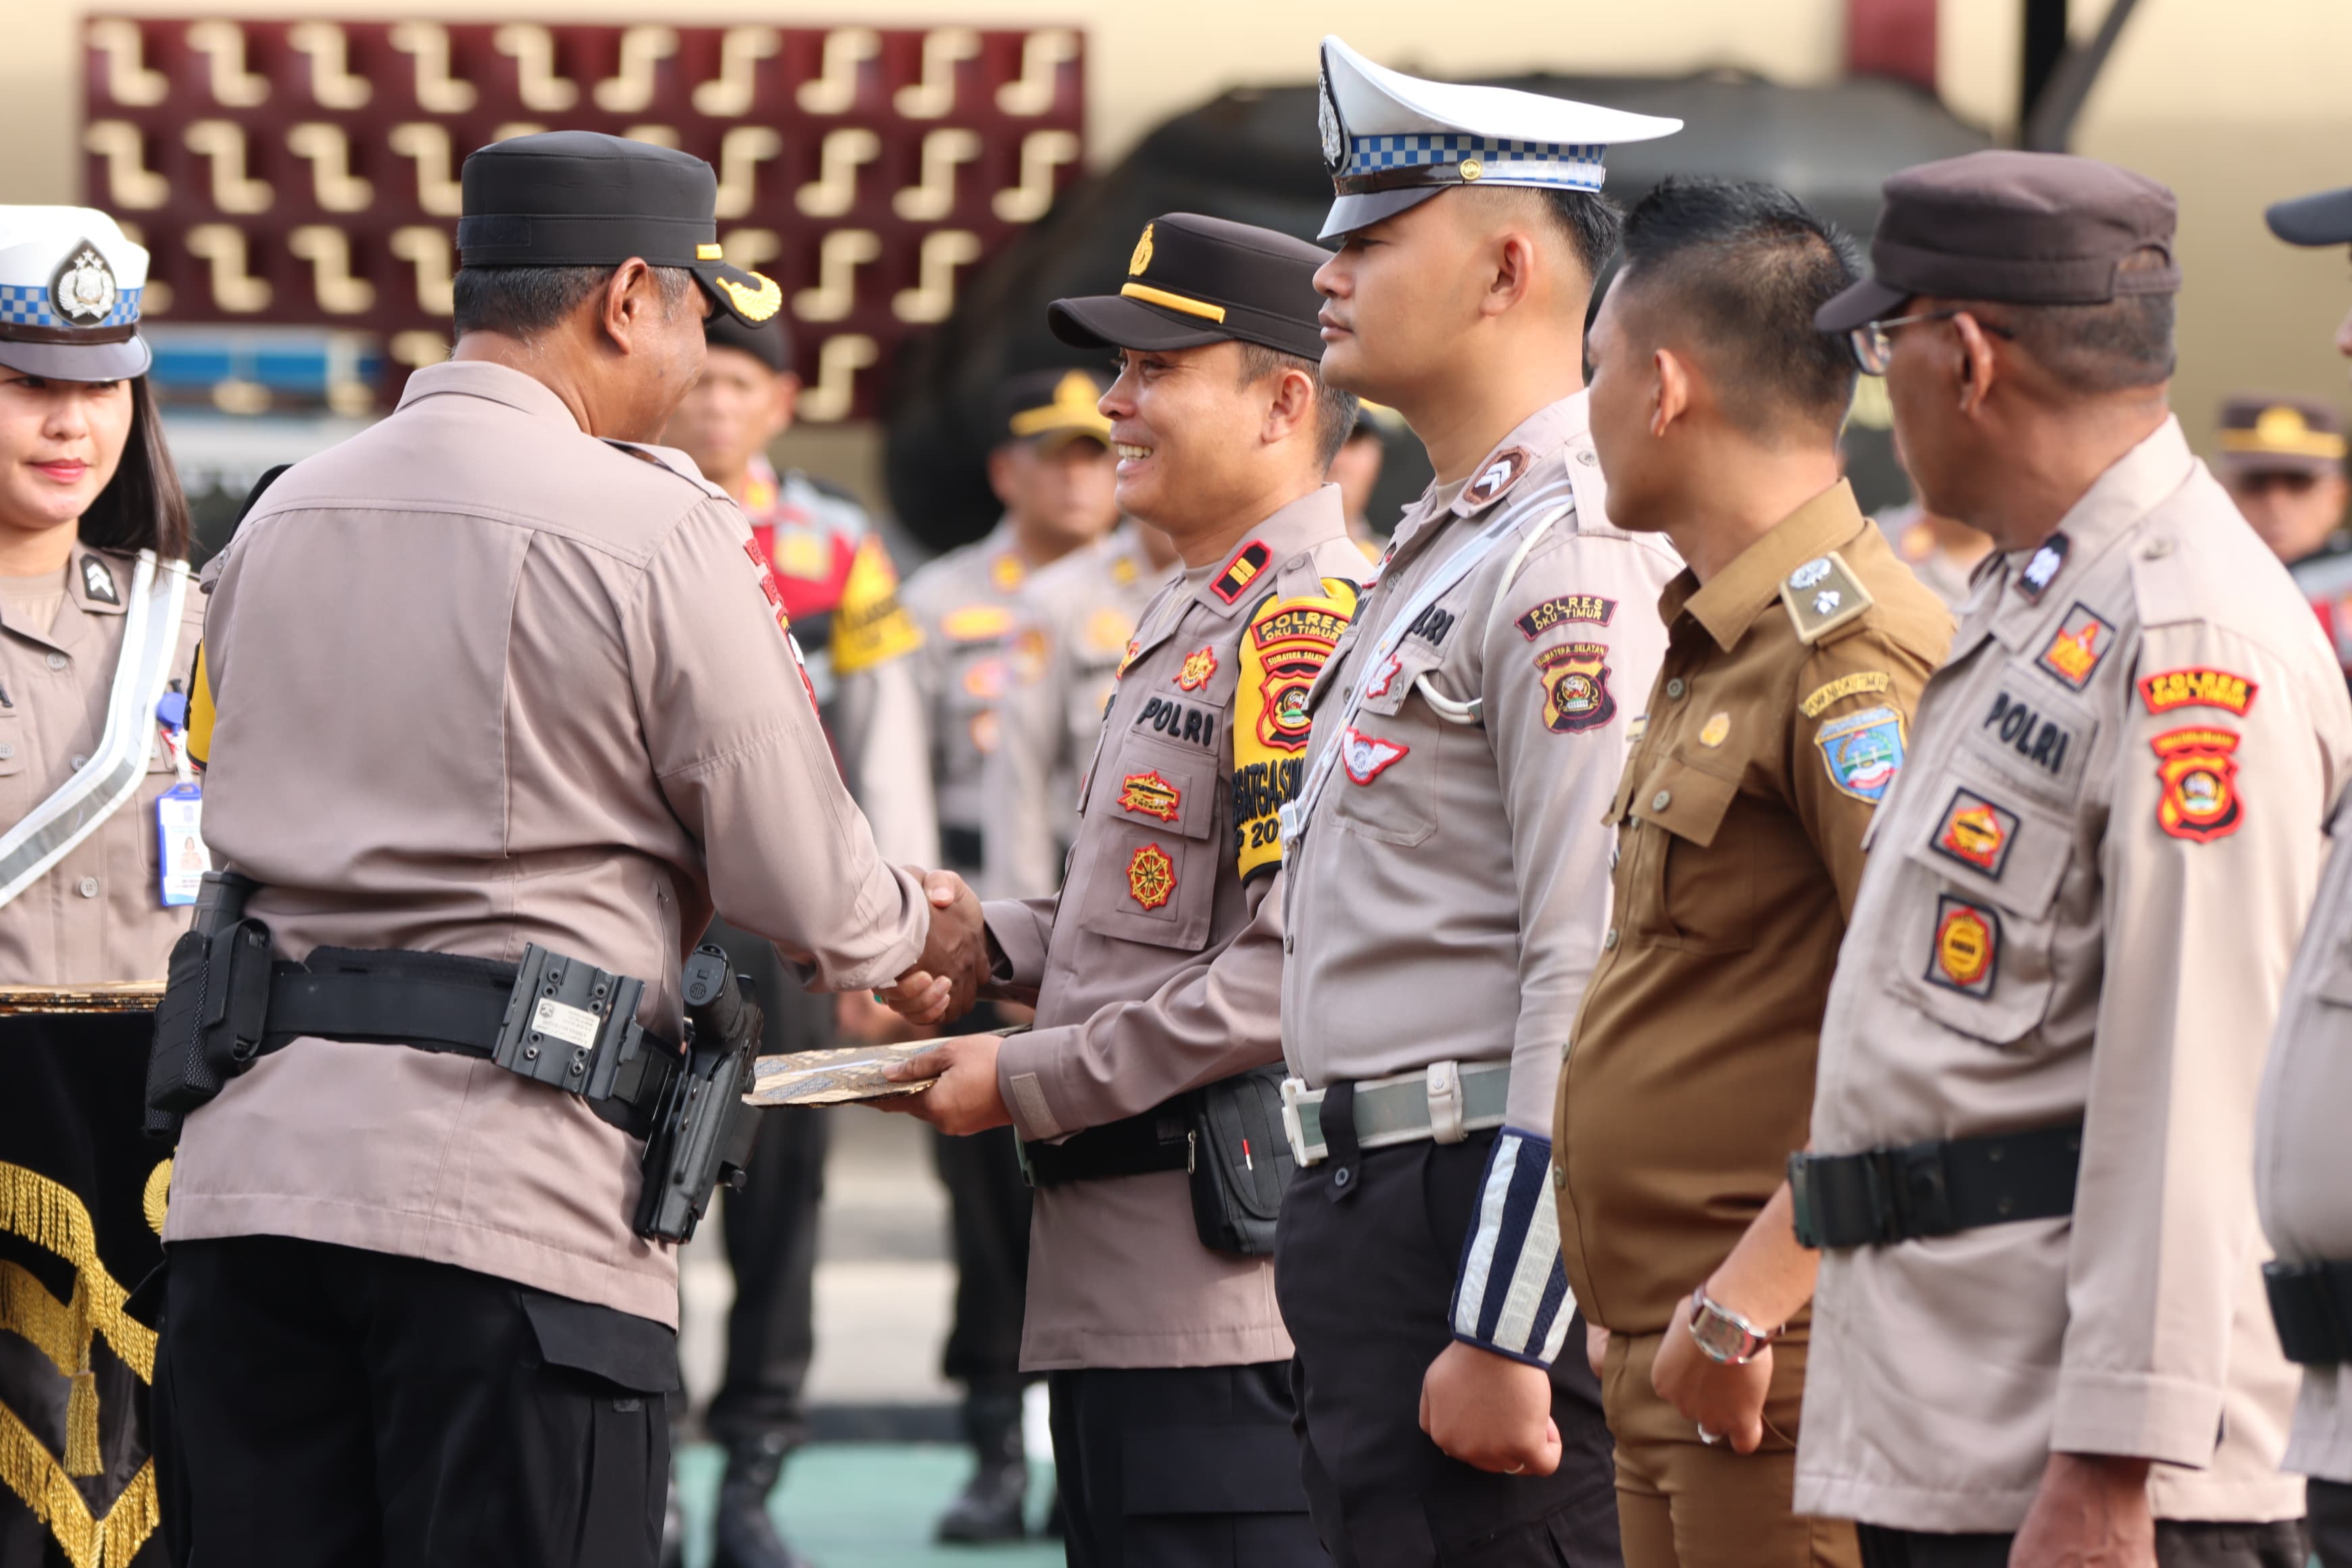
1919	1190
2309	1303
1444	1102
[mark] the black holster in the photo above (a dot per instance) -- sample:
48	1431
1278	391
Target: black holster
208	1028
703	1132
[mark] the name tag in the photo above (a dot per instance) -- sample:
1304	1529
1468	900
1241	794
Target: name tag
181	858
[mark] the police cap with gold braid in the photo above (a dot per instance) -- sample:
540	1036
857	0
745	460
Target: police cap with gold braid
1194	281
580	198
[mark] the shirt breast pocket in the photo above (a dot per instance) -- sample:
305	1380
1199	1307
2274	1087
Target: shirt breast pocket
1384	783
1155	879
1696	889
1979	930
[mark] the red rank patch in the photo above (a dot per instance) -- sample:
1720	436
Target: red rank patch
2200	802
1151	877
1149	794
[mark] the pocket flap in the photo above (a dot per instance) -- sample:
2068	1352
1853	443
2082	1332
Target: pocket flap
635	1354
1391	680
1994	841
1166	788
1685	800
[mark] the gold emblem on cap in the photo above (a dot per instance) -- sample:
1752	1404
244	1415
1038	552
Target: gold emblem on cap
1142	257
708	253
1473	171
755	305
1073	407
2283	430
2280	426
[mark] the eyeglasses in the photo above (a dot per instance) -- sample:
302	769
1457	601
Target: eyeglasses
1872	344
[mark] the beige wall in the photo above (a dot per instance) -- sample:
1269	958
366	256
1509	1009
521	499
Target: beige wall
2234	105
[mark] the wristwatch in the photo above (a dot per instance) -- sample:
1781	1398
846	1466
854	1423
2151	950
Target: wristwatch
1722	1335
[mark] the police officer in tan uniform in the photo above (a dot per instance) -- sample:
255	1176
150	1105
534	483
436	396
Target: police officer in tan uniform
1157	969
937	684
1797	646
414	1311
1446	873
2302	1178
1075	619
2040	1334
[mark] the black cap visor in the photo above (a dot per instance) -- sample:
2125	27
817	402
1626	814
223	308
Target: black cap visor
749	297
1865	302
2324	218
1130	321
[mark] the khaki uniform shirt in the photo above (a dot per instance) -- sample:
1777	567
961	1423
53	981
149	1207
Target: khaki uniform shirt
1740	822
938	686
1446	896
2303	1171
1077	617
97	915
483	680
2081	902
1156	968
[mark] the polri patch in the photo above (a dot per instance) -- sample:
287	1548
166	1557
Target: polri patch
2200	773
1241	571
1966	954
2197	688
1562	609
1976	832
2037	737
98	581
1149	794
1861	682
1151	877
1575	678
1862	751
1199	665
2042	568
1503	470
1366	757
1180	720
2078	648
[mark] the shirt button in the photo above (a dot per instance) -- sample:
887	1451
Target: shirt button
79	760
1608	939
1663	799
89	888
1674	688
8	750
57	661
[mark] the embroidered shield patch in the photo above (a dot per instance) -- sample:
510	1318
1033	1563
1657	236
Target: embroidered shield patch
1151	877
1366	757
1967	952
1576	687
2200	802
1149	794
1199	665
1862	751
1976	833
2078	645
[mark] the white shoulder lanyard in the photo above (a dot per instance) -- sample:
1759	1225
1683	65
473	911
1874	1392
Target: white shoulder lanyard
1458	565
98	789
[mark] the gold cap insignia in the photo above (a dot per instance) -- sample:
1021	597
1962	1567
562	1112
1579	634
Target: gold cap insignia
1142	257
758	304
1473	171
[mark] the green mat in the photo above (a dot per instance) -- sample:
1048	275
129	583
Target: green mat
866	1505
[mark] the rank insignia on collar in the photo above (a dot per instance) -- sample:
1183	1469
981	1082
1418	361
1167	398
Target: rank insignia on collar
1241	571
1501	472
1862	751
1151	877
1576	687
1822	596
98	581
1976	833
2042	568
2075	648
1149	794
1967	952
1366	757
2200	802
1199	665
2170	688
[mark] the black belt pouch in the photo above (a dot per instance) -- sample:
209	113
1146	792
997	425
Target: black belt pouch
1241	1161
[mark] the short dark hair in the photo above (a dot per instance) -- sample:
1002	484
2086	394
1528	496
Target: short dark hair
1746	265
2093	349
1335	411
1593	224
142	506
524	302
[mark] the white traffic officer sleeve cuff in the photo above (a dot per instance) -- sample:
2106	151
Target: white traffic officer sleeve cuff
1511	1293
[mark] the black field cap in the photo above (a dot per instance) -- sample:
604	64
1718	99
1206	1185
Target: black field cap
2324	218
1052	407
580	198
768	342
1195	280
2024	228
2263	434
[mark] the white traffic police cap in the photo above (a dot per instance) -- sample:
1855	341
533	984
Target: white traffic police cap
1393	139
70	288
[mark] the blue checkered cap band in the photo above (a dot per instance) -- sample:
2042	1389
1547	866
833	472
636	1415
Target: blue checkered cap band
23	305
1563	165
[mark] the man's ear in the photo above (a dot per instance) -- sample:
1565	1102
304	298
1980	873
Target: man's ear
631	296
1670	390
1979	365
783	403
999	473
1293	405
1514	277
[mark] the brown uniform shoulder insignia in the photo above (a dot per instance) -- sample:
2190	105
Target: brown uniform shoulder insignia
1823	597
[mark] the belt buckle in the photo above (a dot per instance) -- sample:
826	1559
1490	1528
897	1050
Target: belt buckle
1443	1081
568	1025
1295	1106
1917	1191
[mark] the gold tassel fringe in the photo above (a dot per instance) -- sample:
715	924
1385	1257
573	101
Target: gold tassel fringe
81	1426
34	1474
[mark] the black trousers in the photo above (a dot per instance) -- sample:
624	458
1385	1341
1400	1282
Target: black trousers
322	1407
1364	1267
771	1224
1180	1468
988	1216
2179	1543
2331	1523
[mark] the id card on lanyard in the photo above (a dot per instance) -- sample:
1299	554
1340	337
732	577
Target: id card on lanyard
181	858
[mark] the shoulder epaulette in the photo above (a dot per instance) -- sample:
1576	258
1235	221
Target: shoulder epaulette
1824	596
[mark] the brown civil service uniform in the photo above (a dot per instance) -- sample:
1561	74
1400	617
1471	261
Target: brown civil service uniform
1774	727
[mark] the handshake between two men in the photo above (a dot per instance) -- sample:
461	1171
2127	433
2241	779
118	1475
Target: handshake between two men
942	987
